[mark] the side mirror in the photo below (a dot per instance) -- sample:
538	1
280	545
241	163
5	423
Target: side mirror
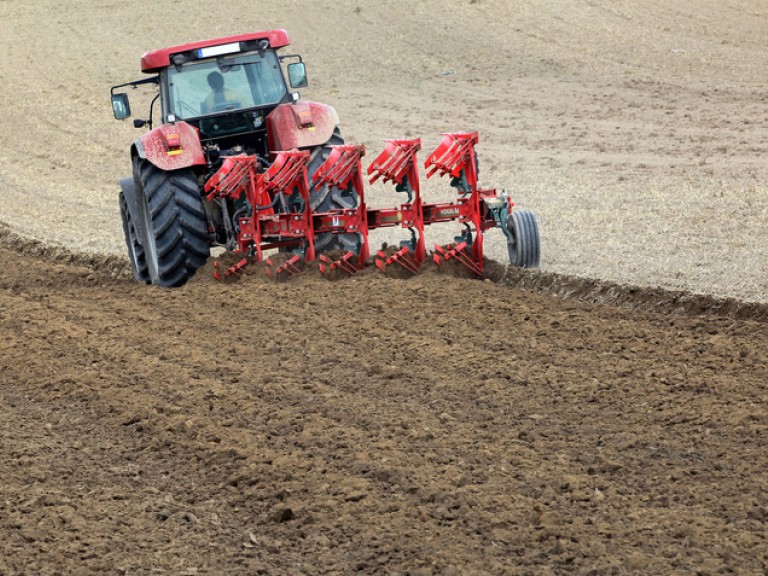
121	108
297	75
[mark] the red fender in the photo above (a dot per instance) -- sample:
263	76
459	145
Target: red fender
300	125
172	146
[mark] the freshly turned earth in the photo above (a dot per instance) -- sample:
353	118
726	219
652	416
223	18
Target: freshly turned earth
605	415
371	425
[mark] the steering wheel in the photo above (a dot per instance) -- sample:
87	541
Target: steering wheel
225	106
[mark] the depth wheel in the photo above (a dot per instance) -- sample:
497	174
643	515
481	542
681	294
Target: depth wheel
174	227
525	246
135	249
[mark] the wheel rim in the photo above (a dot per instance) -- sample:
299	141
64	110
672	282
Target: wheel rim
150	248
513	246
130	235
134	254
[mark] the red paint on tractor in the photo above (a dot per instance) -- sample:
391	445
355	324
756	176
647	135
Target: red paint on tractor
239	175
172	146
300	125
156	60
476	209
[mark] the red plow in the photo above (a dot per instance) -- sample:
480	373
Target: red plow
277	212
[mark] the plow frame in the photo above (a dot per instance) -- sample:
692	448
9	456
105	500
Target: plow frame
286	182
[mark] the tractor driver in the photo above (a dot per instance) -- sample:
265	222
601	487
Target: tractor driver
220	97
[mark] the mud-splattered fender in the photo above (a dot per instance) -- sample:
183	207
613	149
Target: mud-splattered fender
300	125
171	146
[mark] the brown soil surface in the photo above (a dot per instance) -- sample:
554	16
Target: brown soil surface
434	426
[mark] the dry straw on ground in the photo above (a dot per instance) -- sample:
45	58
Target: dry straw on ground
634	130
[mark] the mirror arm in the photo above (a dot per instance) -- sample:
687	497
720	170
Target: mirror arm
135	83
285	56
151	111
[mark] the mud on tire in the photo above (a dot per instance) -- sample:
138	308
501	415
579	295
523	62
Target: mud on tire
175	231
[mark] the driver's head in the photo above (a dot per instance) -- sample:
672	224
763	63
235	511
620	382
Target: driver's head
215	80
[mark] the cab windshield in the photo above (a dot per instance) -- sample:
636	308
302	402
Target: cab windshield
225	84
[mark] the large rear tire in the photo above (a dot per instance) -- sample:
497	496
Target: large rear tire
324	198
174	227
135	249
525	246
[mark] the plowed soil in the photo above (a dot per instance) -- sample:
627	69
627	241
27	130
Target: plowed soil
606	415
434	426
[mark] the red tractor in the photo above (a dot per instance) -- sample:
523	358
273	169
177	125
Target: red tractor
238	160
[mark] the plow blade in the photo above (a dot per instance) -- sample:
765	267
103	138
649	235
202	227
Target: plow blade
403	258
291	267
347	264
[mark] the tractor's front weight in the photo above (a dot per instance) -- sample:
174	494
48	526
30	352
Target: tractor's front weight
285	181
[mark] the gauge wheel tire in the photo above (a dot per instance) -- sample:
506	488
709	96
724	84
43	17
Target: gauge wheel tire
525	245
135	249
174	227
324	198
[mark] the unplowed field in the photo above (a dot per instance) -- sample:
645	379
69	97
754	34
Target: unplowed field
532	423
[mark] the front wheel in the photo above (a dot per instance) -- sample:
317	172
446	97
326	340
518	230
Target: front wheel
524	246
174	227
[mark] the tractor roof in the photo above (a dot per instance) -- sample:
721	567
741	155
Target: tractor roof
158	59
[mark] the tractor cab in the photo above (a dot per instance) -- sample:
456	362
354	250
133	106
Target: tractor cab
224	90
226	95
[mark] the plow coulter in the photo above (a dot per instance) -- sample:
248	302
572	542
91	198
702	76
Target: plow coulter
276	212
